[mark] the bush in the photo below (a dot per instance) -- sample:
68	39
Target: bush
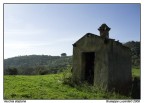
12	71
67	76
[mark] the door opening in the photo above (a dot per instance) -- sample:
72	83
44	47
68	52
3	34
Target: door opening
89	66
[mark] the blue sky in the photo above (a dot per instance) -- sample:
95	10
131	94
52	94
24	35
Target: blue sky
51	29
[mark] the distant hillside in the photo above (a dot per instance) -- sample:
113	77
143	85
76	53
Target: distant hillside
35	60
44	64
135	48
34	64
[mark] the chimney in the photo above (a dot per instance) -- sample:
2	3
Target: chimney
104	31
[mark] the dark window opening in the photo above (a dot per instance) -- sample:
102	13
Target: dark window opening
89	67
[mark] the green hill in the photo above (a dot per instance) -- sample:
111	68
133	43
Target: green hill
37	64
135	49
35	60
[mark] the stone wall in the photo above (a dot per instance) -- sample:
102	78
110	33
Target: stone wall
112	64
119	67
96	44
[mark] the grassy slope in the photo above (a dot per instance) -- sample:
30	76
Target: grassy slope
135	72
49	87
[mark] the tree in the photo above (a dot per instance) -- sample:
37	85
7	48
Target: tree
12	71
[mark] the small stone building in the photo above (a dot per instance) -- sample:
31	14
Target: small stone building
101	61
63	55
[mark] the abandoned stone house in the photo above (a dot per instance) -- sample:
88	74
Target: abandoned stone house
101	61
63	55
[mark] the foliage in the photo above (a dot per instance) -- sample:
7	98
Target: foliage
135	49
11	71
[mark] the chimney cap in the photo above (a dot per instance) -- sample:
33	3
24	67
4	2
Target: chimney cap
104	27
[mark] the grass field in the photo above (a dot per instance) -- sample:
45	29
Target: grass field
51	87
135	72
